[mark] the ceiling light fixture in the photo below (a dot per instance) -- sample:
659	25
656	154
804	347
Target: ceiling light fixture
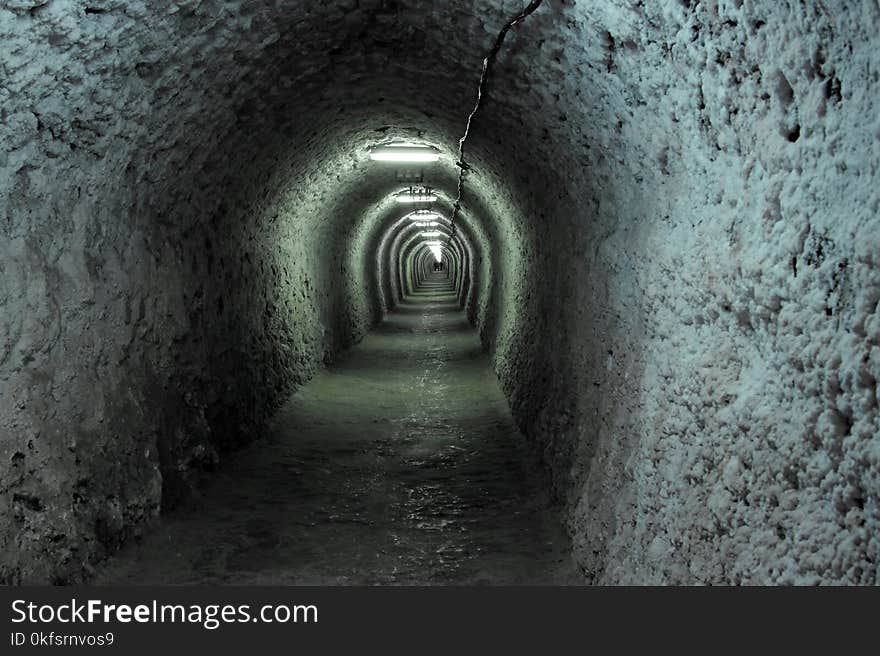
424	215
404	152
436	249
416	195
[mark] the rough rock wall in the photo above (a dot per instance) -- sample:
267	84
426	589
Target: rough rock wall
674	257
701	365
178	186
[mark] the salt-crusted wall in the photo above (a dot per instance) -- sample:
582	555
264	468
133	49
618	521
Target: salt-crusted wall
671	236
699	356
183	189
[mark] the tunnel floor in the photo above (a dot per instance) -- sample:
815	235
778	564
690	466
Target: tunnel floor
399	464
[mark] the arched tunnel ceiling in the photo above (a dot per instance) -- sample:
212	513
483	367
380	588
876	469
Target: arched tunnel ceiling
194	95
220	150
191	226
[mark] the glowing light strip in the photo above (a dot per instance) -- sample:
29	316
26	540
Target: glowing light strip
424	215
404	153
436	249
407	197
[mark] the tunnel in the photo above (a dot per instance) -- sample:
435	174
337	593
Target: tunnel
650	356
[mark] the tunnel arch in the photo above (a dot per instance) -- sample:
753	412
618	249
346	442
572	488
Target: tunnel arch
410	245
192	227
391	228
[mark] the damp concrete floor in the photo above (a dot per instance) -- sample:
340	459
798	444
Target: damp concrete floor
399	464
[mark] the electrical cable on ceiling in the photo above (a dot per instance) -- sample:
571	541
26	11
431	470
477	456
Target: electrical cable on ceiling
488	61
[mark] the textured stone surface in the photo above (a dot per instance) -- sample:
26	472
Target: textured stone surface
672	234
705	384
183	191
